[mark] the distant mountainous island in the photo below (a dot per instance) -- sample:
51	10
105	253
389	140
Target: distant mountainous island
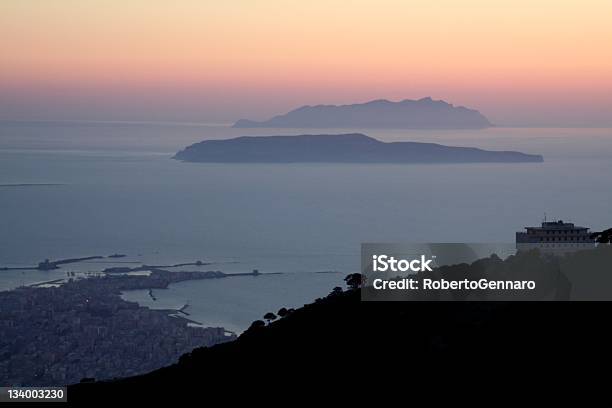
339	148
424	113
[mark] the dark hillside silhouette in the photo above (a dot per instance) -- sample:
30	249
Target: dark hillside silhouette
462	351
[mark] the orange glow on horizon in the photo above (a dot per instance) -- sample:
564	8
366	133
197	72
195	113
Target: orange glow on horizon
465	51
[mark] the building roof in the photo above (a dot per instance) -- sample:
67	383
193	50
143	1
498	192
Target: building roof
557	225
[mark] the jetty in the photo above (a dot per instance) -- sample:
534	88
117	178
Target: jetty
48	265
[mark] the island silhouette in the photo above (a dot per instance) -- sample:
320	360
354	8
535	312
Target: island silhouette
424	113
339	148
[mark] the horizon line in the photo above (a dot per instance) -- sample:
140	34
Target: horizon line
137	122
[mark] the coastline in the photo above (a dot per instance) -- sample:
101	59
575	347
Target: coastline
87	320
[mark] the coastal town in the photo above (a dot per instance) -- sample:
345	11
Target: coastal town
83	329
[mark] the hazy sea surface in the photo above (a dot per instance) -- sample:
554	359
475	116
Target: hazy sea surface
70	189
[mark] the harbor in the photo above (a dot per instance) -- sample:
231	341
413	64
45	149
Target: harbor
86	320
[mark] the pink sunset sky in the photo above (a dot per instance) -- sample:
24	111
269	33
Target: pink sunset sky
520	62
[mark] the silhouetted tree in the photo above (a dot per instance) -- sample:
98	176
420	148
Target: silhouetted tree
603	237
282	312
270	316
336	291
257	324
354	280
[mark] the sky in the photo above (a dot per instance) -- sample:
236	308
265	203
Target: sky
520	62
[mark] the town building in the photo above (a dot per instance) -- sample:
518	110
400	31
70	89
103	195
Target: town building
555	237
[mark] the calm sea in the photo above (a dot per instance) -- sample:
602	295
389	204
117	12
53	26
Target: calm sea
85	188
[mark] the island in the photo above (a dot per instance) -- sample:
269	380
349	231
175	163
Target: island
424	113
339	148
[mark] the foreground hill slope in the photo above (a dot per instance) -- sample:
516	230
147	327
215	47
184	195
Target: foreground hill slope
339	148
348	348
424	113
